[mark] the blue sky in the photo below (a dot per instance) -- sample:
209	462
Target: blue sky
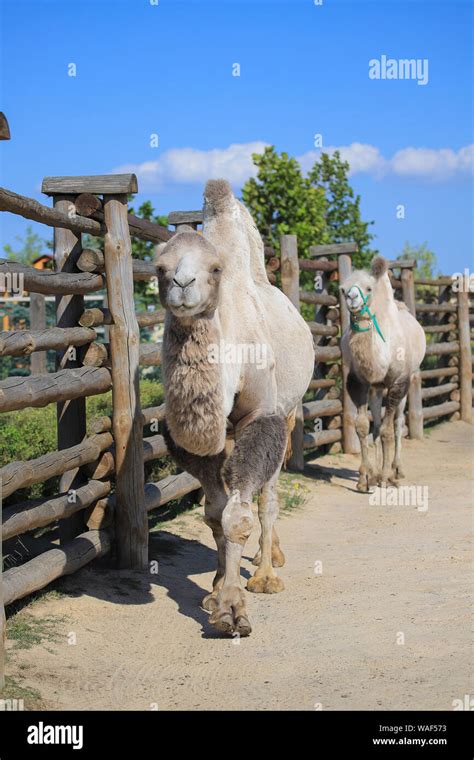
166	69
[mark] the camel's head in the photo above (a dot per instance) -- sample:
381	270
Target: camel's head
189	273
357	289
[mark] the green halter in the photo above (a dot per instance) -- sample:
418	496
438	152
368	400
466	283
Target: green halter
365	310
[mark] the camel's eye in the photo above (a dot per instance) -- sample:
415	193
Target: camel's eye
369	290
216	270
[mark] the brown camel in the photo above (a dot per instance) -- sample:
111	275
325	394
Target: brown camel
384	346
235	352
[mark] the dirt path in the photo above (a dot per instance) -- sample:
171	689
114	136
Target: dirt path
385	625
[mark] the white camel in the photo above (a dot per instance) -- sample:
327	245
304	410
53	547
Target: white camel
235	351
384	347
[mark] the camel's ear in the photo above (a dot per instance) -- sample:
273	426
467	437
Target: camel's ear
379	266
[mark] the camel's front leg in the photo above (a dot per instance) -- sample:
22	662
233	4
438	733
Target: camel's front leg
396	393
256	457
358	390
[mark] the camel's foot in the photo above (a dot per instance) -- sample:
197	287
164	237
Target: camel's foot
388	481
229	614
261	583
278	558
397	473
367	481
209	603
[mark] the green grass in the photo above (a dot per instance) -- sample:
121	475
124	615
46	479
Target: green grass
26	630
13	690
292	492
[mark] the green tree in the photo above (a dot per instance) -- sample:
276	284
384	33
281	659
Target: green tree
343	219
319	208
32	246
426	261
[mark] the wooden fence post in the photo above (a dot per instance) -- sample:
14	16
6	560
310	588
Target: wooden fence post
350	440
38	322
71	415
465	357
2	607
415	402
290	283
127	423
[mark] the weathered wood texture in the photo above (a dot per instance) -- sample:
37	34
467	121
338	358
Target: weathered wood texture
38	324
55	563
337	249
17	475
41	390
290	283
38	513
31	209
131	520
51	283
415	404
4	127
99	183
465	356
25	342
350	440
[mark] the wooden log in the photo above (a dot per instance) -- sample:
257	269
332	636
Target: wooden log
41	390
350	440
91	260
333	371
102	468
31	209
321	408
87	204
436	281
272	264
17	475
320	266
100	515
307	296
4	128
441	349
168	489
98	183
415	405
3	624
290	283
150	354
152	414
24	342
321	383
37	324
154	447
323	438
429	329
131	524
455	395
429	374
327	353
97	355
150	318
465	356
55	563
53	283
142	229
336	249
333	392
401	264
333	315
185	217
32	515
95	317
335	423
423	308
439	410
437	390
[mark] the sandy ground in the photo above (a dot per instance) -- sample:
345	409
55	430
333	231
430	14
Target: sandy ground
382	623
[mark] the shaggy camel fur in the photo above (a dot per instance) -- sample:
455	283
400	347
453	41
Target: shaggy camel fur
383	346
236	353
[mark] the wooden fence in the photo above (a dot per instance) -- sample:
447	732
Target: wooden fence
102	498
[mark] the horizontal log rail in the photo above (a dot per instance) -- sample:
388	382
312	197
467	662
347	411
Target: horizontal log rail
91	260
98	355
35	514
47	282
431	329
438	390
320	329
323	383
336	249
318	266
172	487
323	408
149	415
24	342
40	571
441	349
429	374
322	299
439	281
327	353
41	390
19	474
422	308
96	317
323	438
154	447
439	410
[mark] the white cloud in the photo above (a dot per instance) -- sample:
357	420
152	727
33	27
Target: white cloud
188	165
234	163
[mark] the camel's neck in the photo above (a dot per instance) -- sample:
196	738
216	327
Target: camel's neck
193	385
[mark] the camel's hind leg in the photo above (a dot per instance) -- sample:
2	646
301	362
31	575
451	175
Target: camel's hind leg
375	404
257	456
395	396
398	424
265	580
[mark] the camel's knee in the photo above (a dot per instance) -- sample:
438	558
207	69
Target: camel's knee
362	425
257	454
387	432
237	519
